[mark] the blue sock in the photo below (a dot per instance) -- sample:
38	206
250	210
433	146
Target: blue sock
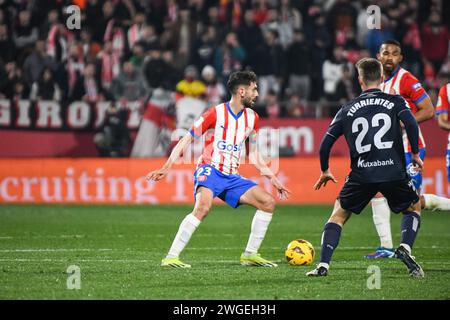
410	228
330	240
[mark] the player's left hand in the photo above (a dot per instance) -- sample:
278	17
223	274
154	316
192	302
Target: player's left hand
283	192
323	179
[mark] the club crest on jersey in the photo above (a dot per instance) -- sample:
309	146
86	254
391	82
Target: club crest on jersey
412	171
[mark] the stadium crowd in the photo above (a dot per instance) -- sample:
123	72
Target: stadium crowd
302	50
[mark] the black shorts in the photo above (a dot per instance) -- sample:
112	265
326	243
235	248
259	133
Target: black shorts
400	195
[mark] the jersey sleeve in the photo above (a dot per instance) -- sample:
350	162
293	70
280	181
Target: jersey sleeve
336	128
443	105
252	137
205	122
411	88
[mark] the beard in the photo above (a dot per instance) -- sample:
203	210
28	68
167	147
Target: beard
248	103
389	69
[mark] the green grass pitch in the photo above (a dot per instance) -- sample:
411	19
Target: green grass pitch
118	250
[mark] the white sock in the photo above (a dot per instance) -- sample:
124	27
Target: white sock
382	221
260	224
435	202
323	264
185	231
406	246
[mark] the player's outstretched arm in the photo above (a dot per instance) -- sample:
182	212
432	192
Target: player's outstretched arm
443	121
257	160
324	178
426	110
176	153
324	152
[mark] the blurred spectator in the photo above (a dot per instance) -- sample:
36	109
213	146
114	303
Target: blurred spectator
116	35
58	41
15	86
45	88
108	65
268	64
129	85
273	109
134	32
180	37
204	47
346	88
113	138
290	20
261	11
149	38
7	49
411	46
250	35
342	16
215	90
90	48
321	42
333	71
229	56
74	66
36	62
46	25
298	69
25	35
191	85
155	68
87	87
98	15
137	57
295	108
435	39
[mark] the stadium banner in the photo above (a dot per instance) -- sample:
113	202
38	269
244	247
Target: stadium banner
68	130
122	181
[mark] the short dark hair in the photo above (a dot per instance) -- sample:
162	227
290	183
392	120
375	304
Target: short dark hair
239	78
370	70
392	42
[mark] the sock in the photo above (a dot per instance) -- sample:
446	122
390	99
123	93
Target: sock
185	231
330	240
382	221
260	224
410	227
435	202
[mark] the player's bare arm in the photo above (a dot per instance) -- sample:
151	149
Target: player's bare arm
443	121
257	160
176	153
324	178
426	110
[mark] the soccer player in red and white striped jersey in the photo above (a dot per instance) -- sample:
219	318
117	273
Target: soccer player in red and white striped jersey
443	110
399	81
232	122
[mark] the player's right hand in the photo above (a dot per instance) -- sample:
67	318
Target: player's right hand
417	162
323	179
157	174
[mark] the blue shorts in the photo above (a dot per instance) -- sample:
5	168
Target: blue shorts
229	188
416	177
447	162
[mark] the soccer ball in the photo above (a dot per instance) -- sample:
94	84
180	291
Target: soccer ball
300	252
